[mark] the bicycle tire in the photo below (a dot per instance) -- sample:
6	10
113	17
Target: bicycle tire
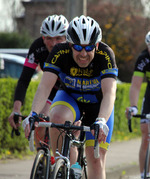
41	166
60	170
147	162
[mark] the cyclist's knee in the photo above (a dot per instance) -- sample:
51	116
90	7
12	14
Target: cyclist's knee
60	113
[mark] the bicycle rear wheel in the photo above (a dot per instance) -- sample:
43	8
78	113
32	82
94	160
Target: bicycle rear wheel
60	170
41	166
147	162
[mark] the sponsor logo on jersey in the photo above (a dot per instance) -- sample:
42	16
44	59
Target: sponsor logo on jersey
31	58
81	72
107	57
143	63
54	59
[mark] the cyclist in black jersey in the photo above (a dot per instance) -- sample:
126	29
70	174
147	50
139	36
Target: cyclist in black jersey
53	31
142	68
87	70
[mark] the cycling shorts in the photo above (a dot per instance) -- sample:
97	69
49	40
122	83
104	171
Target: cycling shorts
91	112
145	109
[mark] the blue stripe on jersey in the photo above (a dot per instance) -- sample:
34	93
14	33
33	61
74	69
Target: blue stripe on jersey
113	71
50	66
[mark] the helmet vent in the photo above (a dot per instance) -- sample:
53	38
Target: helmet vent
93	35
84	33
75	36
58	26
47	26
62	32
75	23
43	32
83	21
53	22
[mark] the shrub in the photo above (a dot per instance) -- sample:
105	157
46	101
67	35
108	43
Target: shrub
19	144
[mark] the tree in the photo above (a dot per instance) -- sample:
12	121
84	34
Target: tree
124	30
15	40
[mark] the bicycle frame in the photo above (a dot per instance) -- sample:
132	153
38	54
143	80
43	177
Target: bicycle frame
68	141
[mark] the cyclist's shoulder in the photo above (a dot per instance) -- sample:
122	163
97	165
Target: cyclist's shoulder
105	51
37	43
62	46
62	49
105	48
143	53
37	47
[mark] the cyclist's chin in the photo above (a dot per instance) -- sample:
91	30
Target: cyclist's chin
83	63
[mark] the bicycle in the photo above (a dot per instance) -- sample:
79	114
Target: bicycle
62	166
147	157
41	166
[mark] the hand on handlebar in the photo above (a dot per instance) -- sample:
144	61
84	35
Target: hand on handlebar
103	129
14	124
29	123
130	111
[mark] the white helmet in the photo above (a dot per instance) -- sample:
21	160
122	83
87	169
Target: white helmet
84	30
54	26
147	38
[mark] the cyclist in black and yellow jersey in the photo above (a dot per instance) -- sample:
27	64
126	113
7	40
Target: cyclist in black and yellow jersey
53	31
142	69
87	69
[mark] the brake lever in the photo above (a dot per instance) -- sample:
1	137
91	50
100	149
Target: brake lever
129	121
17	133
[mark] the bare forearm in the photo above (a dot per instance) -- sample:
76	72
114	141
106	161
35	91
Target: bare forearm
109	95
40	99
107	105
17	106
135	90
134	96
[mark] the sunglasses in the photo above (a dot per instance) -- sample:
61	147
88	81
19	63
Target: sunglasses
87	48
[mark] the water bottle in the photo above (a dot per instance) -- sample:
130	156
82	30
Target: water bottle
76	170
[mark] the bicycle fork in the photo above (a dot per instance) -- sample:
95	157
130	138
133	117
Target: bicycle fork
67	162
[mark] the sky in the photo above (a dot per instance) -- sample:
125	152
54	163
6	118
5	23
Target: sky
7	12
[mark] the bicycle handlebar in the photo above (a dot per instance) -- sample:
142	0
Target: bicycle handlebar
73	127
147	116
53	125
16	119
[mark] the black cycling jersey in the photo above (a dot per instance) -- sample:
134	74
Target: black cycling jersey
83	84
37	55
142	68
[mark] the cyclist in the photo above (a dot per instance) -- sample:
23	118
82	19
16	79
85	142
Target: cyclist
142	68
88	71
53	31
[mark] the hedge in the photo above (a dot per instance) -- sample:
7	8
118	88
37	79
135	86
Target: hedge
7	87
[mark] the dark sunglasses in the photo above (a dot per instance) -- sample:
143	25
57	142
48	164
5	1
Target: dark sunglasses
79	48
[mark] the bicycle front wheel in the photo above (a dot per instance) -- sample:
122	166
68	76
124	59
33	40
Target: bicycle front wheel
60	170
147	162
41	166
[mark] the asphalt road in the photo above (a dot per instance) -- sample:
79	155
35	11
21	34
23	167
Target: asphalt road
122	163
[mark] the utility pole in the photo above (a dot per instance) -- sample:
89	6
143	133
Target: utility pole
75	8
